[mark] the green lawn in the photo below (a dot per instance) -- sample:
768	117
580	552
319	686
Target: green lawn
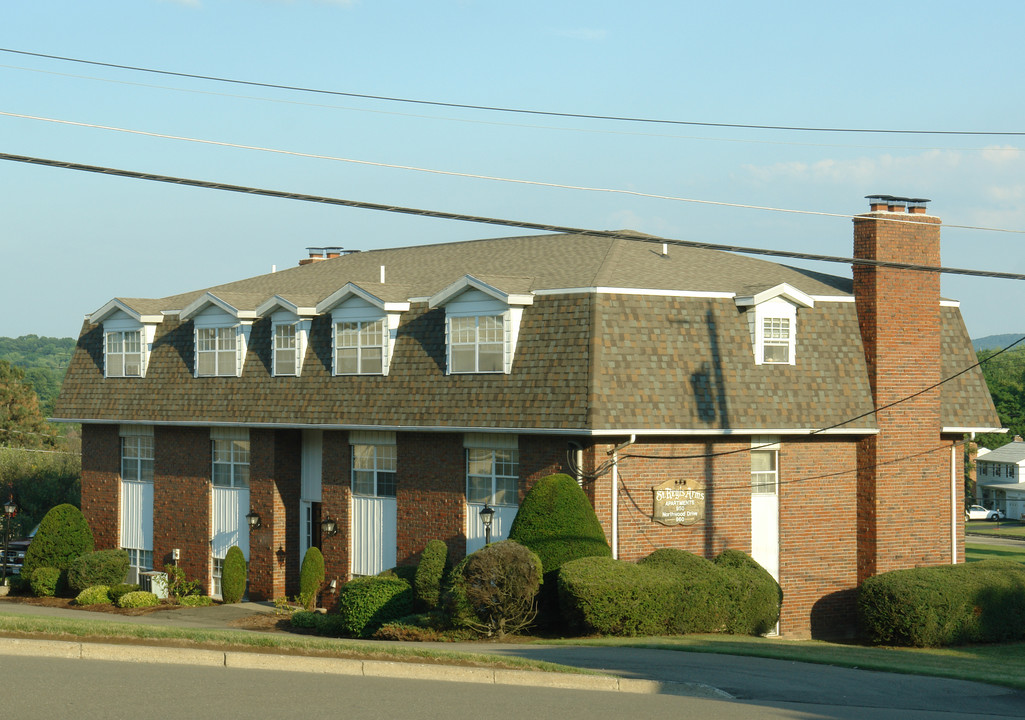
977	551
1005	528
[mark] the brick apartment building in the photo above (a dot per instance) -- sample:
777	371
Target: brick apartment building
369	402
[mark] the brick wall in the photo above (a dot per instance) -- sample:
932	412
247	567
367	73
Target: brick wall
274	486
181	499
905	468
335	501
430	493
101	483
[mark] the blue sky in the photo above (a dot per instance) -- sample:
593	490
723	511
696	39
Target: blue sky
71	241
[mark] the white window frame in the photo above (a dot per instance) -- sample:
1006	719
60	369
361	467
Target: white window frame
764	467
474	339
222	345
485	480
140	560
137	458
772	322
363	328
230	457
116	359
285	348
374	468
776	336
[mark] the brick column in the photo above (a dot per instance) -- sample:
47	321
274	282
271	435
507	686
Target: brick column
274	479
181	499
101	483
431	493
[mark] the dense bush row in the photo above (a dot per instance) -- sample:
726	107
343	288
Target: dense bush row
945	605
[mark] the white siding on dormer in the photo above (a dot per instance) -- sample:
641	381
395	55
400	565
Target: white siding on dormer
474	303
213	317
775	308
356	309
119	321
302	338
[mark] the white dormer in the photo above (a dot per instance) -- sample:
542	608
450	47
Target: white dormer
772	321
290	334
482	325
221	335
364	326
127	338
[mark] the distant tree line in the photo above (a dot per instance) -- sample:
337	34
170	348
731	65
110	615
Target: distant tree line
44	361
1005	376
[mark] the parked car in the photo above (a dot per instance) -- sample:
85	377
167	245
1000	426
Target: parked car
16	550
977	512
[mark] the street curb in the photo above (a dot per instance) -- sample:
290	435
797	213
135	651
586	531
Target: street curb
344	666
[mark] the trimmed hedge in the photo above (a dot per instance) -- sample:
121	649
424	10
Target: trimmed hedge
557	522
945	605
103	567
366	603
670	592
116	591
195	601
137	599
63	535
95	595
430	575
233	575
311	577
44	581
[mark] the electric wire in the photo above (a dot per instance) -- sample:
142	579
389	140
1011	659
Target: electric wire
542	227
491	108
471	176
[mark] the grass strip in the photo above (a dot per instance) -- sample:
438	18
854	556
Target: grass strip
1002	664
113	632
979	551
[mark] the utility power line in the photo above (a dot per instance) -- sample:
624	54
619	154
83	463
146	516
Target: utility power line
541	227
521	111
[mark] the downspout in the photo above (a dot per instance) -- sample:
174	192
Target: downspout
615	494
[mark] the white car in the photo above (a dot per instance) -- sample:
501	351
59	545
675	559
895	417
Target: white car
977	512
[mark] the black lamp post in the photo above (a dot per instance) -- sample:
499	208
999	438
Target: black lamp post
487	514
9	509
328	527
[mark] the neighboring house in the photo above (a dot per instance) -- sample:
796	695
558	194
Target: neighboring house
367	403
1001	478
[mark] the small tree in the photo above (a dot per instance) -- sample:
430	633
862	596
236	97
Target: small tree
63	535
311	577
499	583
234	575
430	574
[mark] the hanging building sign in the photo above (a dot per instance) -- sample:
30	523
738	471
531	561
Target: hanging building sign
679	502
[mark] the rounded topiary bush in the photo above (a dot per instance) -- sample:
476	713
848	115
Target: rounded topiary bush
752	597
496	588
138	599
311	577
95	595
63	535
234	575
430	574
366	603
945	605
557	522
102	567
43	581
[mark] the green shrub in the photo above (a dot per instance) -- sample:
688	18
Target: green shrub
195	601
945	605
95	595
305	619
178	584
138	599
753	596
233	575
430	574
116	591
311	577
366	603
63	535
44	581
498	584
102	567
403	572
557	522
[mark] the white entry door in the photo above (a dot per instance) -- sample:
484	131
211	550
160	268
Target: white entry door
374	526
765	504
228	527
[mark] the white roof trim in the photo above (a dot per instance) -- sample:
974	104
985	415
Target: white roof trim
353	290
114	305
270	305
207	299
469	281
966	430
950	303
784	290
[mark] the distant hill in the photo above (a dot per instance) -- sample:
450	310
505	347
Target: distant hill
997	342
44	360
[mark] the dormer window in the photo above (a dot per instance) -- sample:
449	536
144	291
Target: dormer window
772	320
128	335
290	331
285	349
221	335
365	322
123	353
482	323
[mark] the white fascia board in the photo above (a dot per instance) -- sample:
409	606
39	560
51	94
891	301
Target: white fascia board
610	432
469	281
784	290
966	430
116	305
950	303
273	304
207	299
352	289
833	298
601	290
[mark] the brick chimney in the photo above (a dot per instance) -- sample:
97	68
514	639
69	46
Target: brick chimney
903	490
320	253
